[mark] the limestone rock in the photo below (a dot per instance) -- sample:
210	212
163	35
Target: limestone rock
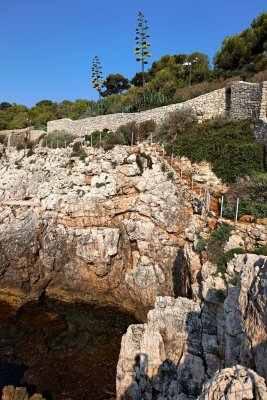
163	357
245	315
94	229
19	393
236	383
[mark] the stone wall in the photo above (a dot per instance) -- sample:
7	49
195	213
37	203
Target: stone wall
17	137
246	100
206	107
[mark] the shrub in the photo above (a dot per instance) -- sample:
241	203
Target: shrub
146	127
186	93
58	139
261	251
129	130
252	193
229	255
201	244
229	145
112	140
222	233
177	122
215	246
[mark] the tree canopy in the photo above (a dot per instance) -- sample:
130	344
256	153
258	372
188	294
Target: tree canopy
115	84
246	48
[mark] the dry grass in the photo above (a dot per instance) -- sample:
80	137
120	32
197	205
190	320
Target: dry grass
188	93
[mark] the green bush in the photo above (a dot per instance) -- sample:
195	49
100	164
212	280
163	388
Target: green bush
201	244
261	251
222	233
215	246
253	197
229	255
58	139
112	140
177	122
229	145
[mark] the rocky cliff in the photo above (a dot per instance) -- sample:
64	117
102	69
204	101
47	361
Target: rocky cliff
185	342
104	228
123	227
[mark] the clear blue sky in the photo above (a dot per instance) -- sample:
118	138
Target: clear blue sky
47	46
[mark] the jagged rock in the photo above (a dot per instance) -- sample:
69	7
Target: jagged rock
162	359
93	229
186	342
236	383
19	393
245	315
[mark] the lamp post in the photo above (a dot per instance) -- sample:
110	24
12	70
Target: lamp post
189	64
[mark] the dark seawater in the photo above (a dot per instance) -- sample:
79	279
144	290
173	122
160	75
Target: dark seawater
64	351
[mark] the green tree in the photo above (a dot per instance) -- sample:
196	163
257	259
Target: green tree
115	84
246	51
137	80
5	105
97	75
142	45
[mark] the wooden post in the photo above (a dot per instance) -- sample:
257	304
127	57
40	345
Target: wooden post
236	211
132	140
151	139
208	201
221	213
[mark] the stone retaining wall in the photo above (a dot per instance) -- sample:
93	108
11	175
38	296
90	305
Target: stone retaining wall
17	137
244	100
206	107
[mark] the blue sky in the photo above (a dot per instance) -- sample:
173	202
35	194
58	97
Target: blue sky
47	46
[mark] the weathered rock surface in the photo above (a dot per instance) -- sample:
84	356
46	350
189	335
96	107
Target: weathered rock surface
245	315
185	342
97	229
162	359
236	383
18	393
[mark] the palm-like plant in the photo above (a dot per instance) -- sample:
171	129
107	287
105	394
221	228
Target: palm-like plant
142	45
97	75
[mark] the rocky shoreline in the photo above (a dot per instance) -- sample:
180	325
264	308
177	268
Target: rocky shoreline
122	227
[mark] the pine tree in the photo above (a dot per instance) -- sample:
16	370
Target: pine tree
142	45
97	75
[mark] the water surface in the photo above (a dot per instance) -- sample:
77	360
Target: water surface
66	352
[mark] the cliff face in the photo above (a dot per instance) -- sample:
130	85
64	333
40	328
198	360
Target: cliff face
122	227
185	342
107	228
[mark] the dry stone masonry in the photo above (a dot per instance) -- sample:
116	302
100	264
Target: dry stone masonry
206	107
238	100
